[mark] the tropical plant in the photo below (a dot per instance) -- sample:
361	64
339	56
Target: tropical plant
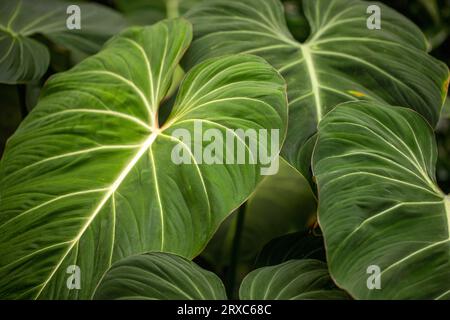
123	183
342	60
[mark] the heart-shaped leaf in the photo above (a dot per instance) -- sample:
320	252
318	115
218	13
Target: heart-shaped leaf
23	58
292	280
159	276
385	222
89	176
342	60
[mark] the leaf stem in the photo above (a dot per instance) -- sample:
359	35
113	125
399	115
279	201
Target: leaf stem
172	9
231	272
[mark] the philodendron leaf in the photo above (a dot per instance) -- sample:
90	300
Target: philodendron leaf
23	58
342	60
89	177
385	222
292	280
159	276
10	109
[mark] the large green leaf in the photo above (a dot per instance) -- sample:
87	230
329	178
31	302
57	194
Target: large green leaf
23	58
379	202
342	60
88	178
281	204
292	280
159	276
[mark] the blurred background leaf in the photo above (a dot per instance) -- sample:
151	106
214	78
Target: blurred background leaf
45	23
142	12
281	204
433	18
26	26
297	245
306	279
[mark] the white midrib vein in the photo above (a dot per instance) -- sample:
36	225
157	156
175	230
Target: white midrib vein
315	87
109	192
